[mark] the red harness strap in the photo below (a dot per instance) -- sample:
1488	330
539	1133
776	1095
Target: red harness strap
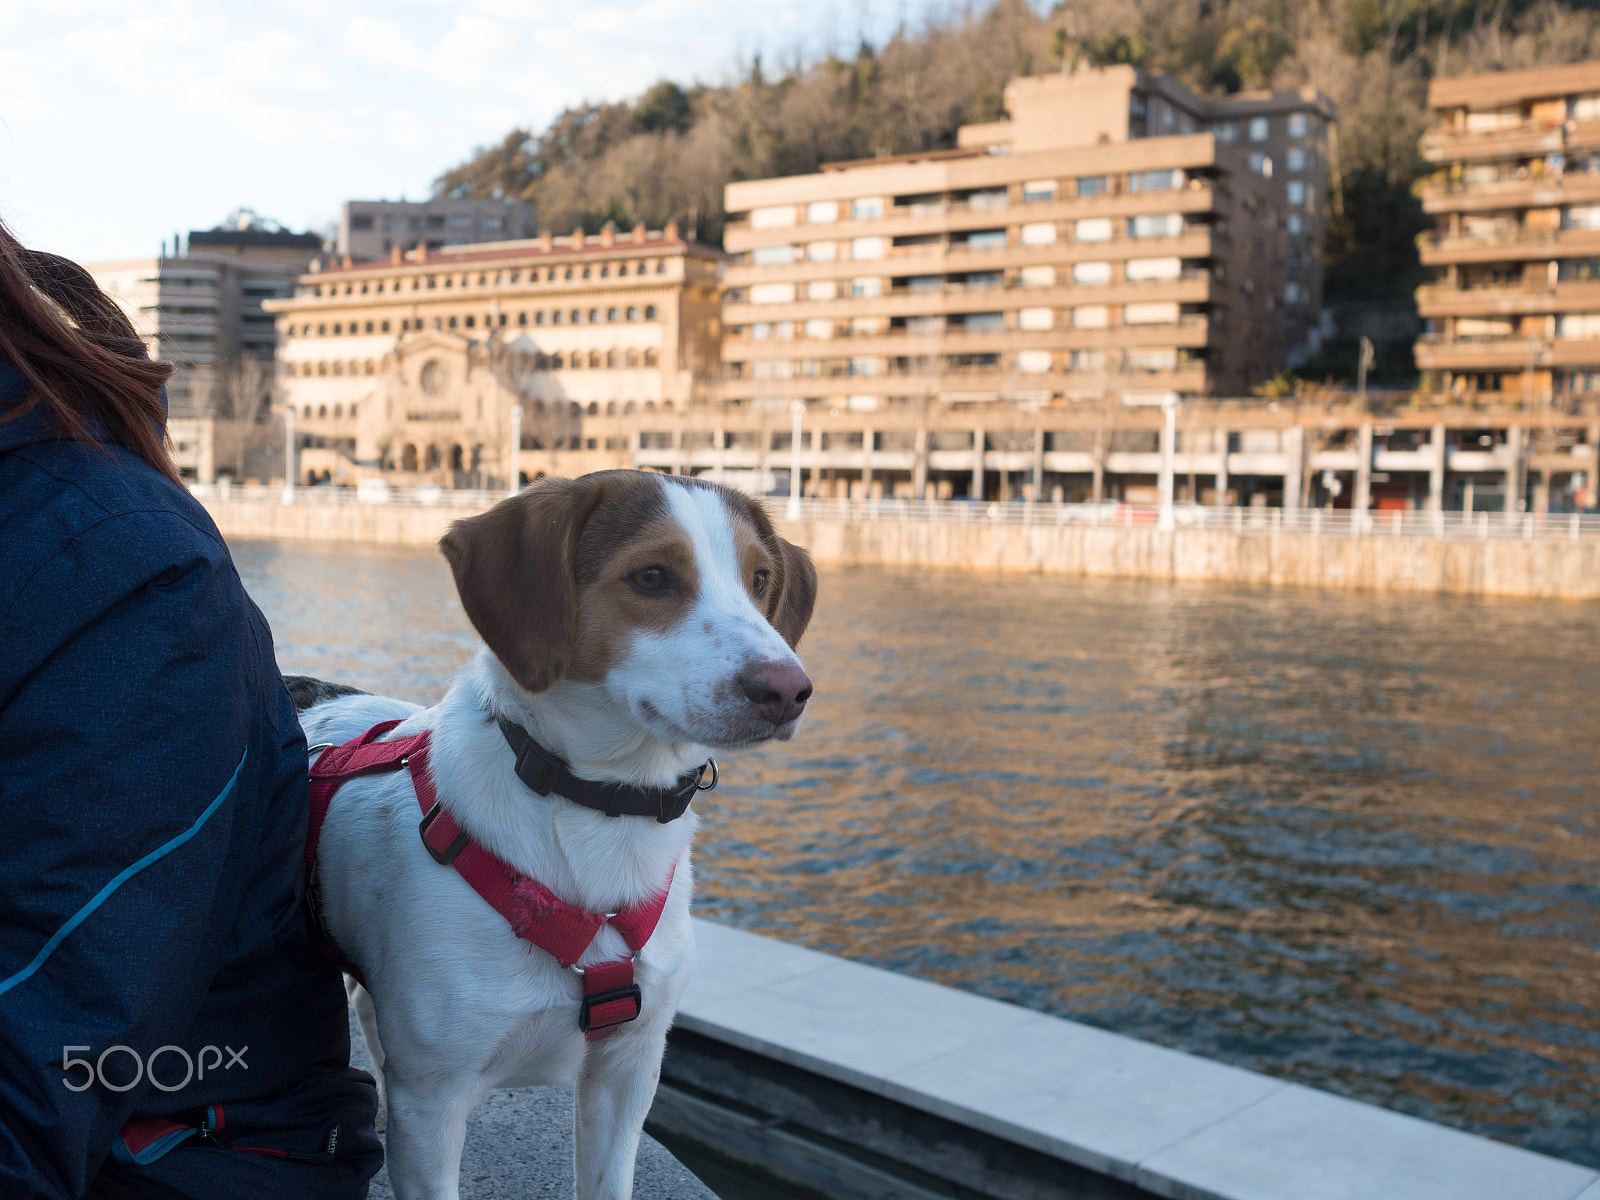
534	912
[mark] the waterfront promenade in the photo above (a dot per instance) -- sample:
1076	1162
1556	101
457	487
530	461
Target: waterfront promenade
861	1083
1551	556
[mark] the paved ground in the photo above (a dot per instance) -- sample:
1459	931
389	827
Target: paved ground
519	1147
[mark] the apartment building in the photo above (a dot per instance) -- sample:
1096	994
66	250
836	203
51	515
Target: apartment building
411	367
201	310
371	229
1513	313
1102	244
1285	136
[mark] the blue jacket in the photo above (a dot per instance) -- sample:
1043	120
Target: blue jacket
152	813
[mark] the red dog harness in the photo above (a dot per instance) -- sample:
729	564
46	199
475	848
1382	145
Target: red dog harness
534	912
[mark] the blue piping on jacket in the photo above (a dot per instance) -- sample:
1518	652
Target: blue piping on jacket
122	877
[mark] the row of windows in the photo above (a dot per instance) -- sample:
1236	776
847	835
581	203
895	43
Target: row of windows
1031	192
459	222
1027	362
611	408
419	283
1259	129
576	316
577	360
1032	233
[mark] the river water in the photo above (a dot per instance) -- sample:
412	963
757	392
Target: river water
1346	839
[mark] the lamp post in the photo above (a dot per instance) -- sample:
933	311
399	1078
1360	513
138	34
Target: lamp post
288	454
797	411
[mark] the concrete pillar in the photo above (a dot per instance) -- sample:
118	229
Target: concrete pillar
1593	469
514	474
1362	500
919	463
1294	450
1516	469
719	456
289	457
867	437
1167	521
1436	468
976	491
1038	463
1219	439
206	467
1098	492
797	411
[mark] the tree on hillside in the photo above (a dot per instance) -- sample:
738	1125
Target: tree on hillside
668	154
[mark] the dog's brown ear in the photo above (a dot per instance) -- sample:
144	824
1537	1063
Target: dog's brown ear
794	591
514	573
797	591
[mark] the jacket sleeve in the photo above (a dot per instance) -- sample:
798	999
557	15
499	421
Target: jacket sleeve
126	770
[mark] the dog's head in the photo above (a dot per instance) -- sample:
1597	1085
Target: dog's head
675	596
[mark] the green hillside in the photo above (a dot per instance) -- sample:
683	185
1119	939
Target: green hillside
667	154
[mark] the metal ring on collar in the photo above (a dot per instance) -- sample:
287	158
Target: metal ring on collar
577	970
706	787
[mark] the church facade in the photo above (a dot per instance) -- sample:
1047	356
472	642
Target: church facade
409	368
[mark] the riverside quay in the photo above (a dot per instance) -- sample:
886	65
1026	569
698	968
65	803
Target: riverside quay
1249	453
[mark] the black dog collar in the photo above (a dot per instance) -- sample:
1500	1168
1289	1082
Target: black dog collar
547	773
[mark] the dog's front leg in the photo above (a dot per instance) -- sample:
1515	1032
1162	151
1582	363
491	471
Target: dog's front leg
427	1129
615	1090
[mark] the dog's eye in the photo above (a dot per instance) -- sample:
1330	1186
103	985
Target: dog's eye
758	584
650	579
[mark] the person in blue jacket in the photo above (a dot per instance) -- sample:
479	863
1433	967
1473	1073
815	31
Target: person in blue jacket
167	1028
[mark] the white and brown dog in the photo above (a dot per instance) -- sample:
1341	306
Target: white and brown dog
634	623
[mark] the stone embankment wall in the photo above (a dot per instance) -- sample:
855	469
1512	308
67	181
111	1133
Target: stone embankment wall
1548	569
1497	566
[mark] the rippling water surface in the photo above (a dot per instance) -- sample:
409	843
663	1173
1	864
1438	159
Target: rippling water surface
1351	840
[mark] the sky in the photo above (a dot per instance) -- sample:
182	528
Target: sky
123	121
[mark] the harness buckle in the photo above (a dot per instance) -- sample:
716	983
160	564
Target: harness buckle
601	1009
448	855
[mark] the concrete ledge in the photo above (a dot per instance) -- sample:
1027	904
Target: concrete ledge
1169	1123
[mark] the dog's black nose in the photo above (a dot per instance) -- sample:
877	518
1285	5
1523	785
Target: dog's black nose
779	691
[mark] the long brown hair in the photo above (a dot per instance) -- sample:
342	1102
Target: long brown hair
79	354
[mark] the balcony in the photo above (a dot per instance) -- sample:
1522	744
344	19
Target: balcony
1527	141
1512	299
1437	249
1436	352
1541	191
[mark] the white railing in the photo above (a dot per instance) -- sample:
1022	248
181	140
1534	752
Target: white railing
1316	521
426	496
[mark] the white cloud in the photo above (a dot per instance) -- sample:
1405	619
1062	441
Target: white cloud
122	120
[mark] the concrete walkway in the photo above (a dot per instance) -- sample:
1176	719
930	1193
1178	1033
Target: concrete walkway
519	1147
